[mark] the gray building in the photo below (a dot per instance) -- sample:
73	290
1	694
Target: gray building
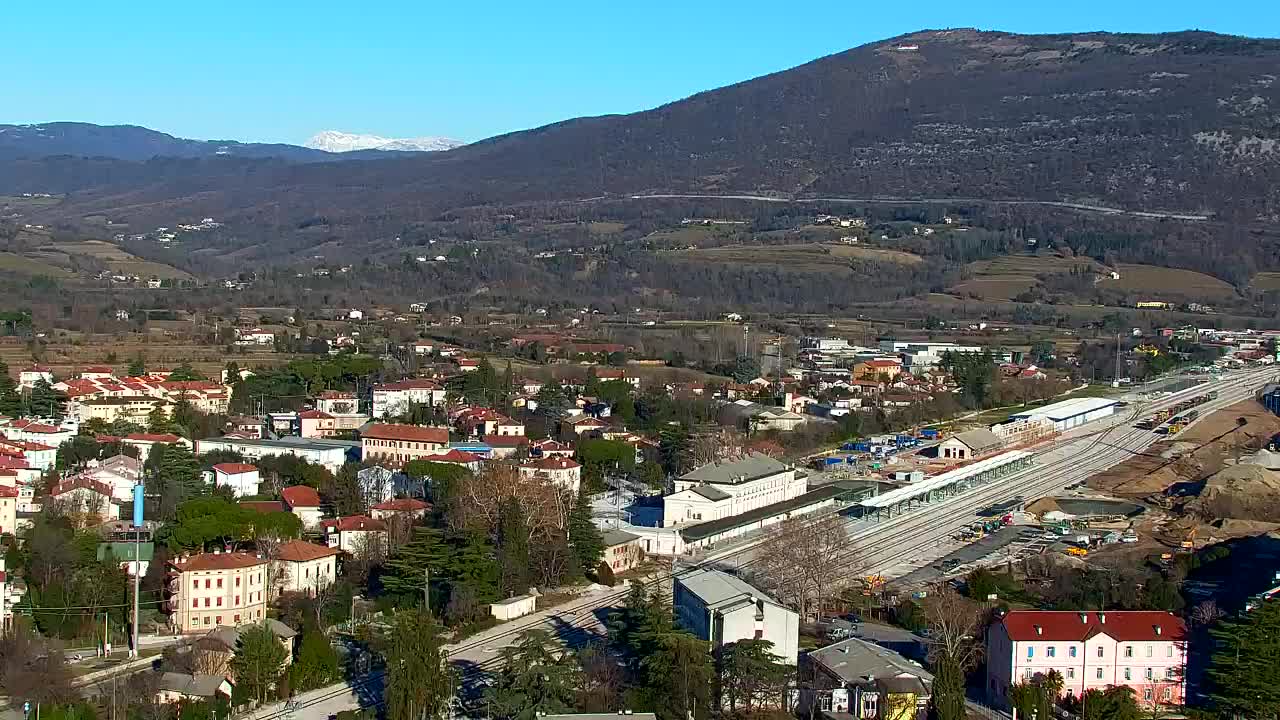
858	678
722	609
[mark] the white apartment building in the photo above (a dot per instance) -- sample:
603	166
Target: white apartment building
720	490
303	567
395	398
721	609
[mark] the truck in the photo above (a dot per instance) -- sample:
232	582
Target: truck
930	434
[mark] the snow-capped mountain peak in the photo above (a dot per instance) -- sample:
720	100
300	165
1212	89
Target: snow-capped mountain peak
339	142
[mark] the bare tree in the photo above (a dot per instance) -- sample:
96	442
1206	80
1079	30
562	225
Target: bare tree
481	498
955	624
1206	614
802	561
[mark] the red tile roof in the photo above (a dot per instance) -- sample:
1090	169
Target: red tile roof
217	561
263	506
166	438
234	468
303	551
353	523
403	505
32	426
74	482
455	456
314	415
505	441
1071	626
883	363
410	433
7	491
301	496
551	463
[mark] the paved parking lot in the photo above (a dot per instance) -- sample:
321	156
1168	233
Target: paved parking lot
1007	544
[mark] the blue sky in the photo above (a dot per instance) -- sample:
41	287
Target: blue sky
279	70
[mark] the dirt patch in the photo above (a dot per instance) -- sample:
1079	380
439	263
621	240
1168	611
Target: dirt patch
1196	455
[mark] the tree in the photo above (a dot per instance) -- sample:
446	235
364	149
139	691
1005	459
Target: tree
679	675
185	373
44	401
258	661
750	675
10	398
404	573
418	676
535	679
584	537
137	367
604	575
317	663
1119	703
173	473
1243	673
513	548
802	559
954	648
601	680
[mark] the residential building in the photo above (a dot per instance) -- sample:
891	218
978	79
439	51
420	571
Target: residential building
550	448
217	588
242	478
576	427
332	454
969	444
504	446
858	678
303	567
395	398
84	500
121	472
355	534
8	511
720	490
145	441
130	408
28	378
878	370
175	687
411	508
722	608
560	471
454	456
218	647
1141	649
622	550
752	416
398	444
304	502
337	402
37	455
25	430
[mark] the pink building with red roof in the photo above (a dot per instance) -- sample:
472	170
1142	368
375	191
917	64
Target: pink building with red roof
1145	650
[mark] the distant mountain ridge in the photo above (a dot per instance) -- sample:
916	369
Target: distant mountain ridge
335	141
137	144
1175	121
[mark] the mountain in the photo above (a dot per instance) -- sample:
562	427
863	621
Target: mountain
1179	121
334	141
136	144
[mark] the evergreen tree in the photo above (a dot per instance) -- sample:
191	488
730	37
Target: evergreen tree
173	473
185	373
679	676
137	367
317	663
44	401
1243	673
10	398
584	536
750	676
418	678
404	573
258	661
535	680
513	549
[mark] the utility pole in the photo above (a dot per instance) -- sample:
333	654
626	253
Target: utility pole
1116	382
426	588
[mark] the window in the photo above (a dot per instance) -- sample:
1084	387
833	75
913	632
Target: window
1128	674
759	634
206	602
1071	651
1168	694
195	602
1128	651
1168	651
206	583
1051	651
219	582
1071	673
824	702
195	584
218	619
1099	673
237	619
1031	652
1100	652
219	602
206	619
1148	651
1148	674
237	599
1146	694
237	581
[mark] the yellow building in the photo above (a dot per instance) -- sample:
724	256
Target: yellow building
212	589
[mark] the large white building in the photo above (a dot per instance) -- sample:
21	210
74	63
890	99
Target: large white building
721	609
330	453
720	490
395	398
1071	413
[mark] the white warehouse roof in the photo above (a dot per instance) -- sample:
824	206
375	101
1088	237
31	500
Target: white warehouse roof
1067	408
937	482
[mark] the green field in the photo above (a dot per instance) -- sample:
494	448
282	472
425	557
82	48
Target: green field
1154	281
10	262
796	258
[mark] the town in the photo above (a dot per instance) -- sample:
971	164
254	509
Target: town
822	515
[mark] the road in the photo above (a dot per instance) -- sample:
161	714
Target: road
1102	209
873	548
